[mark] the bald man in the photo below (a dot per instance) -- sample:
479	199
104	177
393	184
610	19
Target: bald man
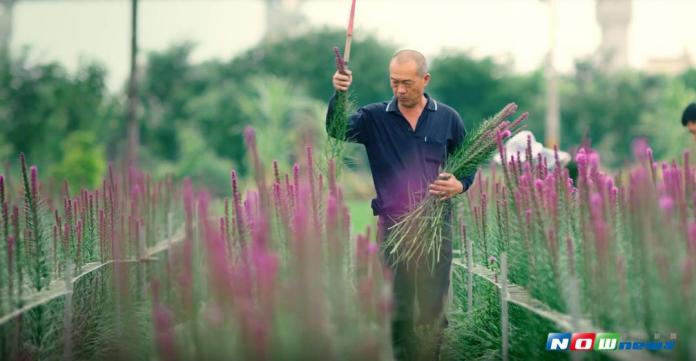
408	139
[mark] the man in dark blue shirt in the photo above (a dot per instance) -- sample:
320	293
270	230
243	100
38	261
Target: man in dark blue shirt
407	140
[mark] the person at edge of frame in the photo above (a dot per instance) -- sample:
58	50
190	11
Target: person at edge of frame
689	119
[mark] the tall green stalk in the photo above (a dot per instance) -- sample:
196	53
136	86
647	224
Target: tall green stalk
337	124
40	271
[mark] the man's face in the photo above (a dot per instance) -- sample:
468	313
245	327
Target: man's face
691	126
407	85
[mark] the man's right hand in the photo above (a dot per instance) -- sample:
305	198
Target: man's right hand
341	81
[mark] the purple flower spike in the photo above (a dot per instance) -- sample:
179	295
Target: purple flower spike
516	123
250	137
233	176
539	185
372	248
509	110
340	62
581	157
593	158
640	147
296	177
609	183
34	181
666	203
276	174
164	326
596	201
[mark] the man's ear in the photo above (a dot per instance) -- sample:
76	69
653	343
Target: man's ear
426	78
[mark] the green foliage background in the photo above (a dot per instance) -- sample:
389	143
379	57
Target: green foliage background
192	114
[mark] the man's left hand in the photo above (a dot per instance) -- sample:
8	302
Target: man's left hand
446	186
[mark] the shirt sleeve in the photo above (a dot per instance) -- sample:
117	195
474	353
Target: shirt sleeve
458	134
355	131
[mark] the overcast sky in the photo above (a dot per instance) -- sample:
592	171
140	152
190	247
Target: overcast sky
74	31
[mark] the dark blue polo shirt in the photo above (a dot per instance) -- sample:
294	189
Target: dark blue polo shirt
404	161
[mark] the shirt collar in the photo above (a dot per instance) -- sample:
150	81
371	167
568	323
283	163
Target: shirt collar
392	106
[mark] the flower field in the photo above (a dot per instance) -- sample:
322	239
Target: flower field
602	253
156	269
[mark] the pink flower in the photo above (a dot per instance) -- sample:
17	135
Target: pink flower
666	203
10	246
524	179
609	183
593	158
596	201
296	177
519	120
528	214
509	110
372	248
166	338
340	63
581	157
34	182
250	137
640	148
276	174
539	184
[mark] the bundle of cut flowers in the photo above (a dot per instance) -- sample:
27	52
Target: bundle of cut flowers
337	127
418	234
